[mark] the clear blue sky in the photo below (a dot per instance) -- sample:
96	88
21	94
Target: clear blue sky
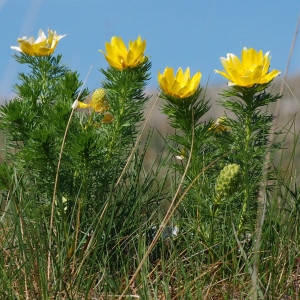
190	33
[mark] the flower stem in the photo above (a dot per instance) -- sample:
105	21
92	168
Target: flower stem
248	133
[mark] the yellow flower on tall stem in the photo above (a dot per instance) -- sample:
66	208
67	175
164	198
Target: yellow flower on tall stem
42	46
119	57
251	69
180	86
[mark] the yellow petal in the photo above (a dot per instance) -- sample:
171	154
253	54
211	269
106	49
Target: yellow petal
27	48
82	105
120	46
195	80
186	75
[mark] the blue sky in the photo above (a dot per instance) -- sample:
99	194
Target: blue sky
190	33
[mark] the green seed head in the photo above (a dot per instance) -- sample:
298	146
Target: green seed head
227	181
99	95
99	101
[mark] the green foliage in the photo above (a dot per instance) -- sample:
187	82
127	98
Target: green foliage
83	216
249	140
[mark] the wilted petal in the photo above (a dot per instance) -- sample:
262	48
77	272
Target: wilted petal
107	118
75	104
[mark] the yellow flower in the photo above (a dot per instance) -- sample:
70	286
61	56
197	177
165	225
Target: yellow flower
219	126
252	69
98	103
179	86
42	46
118	56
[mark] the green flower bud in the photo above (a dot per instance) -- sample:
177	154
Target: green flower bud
227	181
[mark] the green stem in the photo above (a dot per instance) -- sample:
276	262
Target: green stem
248	133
